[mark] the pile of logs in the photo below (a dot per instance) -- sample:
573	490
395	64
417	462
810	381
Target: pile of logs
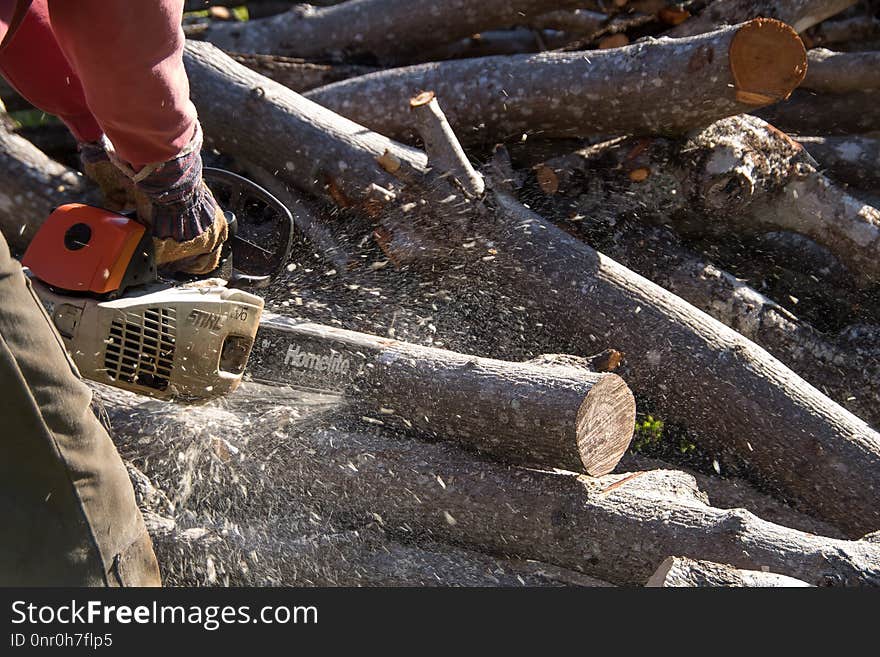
688	190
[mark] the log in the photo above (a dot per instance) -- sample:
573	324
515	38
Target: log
616	528
842	369
32	185
198	556
662	85
299	74
386	29
844	31
800	14
854	159
841	72
262	112
195	547
514	41
556	416
724	492
654	328
811	113
755	411
739	174
684	572
581	22
444	152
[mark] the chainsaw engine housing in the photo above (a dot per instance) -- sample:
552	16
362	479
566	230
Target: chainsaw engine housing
190	341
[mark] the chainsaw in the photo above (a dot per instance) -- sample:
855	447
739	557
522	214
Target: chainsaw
127	325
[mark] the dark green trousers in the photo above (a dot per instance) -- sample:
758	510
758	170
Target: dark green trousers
67	510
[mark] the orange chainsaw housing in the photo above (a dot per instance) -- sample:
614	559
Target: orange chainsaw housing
81	248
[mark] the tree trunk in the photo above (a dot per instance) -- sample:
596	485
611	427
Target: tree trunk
617	528
845	31
725	492
739	174
556	416
842	72
745	403
515	41
386	29
811	113
840	368
195	547
854	160
684	572
664	85
31	186
800	14
582	22
201	557
299	74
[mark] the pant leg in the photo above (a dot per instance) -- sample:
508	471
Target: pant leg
129	57
34	64
67	508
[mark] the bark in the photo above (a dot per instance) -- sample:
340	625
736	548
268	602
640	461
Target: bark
513	41
800	14
31	186
199	545
386	29
444	152
582	22
617	528
843	370
811	113
854	160
843	31
663	85
755	411
299	74
725	492
746	405
556	416
739	174
684	572
201	557
842	72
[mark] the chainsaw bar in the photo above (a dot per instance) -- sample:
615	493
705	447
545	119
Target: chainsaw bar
307	356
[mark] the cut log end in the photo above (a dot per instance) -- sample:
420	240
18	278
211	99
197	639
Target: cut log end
423	98
767	60
605	424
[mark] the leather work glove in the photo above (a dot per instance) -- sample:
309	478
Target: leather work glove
116	187
172	200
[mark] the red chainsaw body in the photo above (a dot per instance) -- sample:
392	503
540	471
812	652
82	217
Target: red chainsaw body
81	248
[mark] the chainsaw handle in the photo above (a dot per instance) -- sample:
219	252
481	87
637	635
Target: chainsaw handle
263	222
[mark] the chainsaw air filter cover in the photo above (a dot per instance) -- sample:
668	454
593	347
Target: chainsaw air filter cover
191	341
84	249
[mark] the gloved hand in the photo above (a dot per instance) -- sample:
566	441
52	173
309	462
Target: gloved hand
116	187
172	200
